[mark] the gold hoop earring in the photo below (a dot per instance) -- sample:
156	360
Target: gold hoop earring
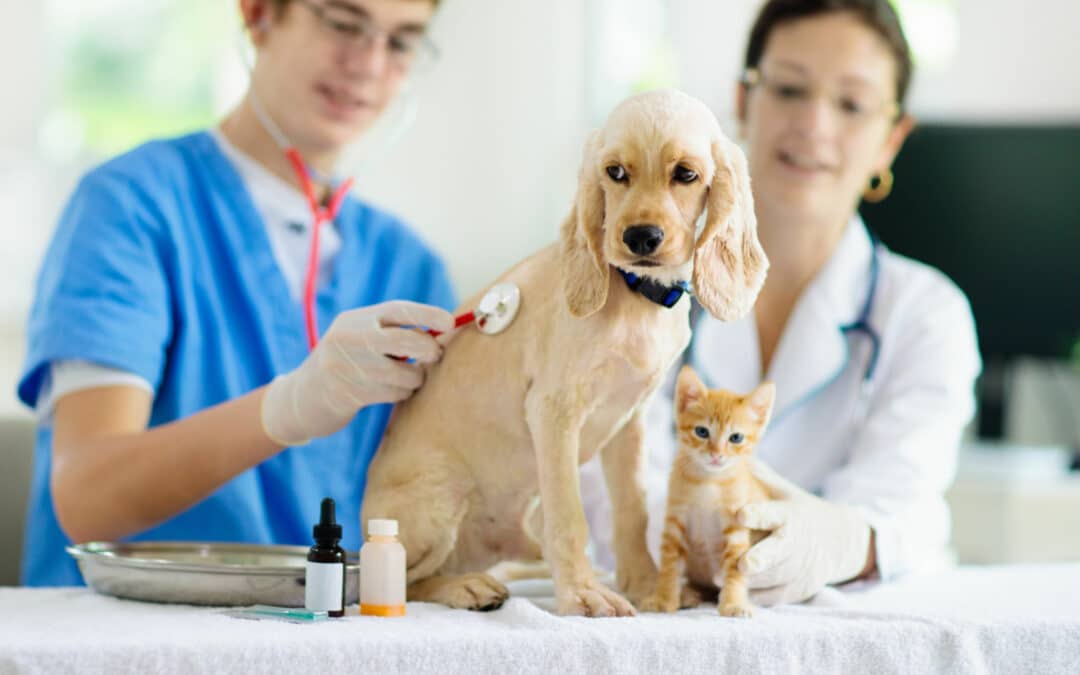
876	193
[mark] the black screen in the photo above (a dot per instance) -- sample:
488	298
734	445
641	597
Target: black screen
997	209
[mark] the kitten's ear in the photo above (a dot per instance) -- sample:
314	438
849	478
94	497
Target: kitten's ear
688	388
761	401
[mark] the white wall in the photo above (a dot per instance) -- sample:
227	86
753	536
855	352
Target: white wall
22	40
1015	61
709	39
24	194
488	170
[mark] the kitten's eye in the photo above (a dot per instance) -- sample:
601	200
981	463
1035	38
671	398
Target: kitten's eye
616	173
701	432
683	175
736	438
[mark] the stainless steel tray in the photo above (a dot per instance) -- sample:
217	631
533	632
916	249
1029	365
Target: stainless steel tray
203	573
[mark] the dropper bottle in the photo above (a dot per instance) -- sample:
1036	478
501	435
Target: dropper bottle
324	585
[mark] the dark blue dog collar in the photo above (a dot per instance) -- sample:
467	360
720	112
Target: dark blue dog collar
666	296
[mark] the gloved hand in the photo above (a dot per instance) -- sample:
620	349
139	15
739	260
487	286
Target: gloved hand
351	367
812	542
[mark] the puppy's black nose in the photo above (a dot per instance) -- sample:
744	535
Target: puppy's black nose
643	239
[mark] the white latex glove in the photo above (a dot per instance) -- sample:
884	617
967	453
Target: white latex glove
351	368
812	542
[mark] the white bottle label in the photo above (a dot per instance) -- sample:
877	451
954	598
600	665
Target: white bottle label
322	586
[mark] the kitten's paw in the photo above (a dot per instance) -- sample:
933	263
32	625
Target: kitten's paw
654	603
592	599
737	611
689	597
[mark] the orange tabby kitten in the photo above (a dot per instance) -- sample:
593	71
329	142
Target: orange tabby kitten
710	481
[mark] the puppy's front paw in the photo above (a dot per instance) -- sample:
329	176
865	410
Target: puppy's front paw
592	599
637	582
736	611
654	603
479	592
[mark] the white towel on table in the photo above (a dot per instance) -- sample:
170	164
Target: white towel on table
998	620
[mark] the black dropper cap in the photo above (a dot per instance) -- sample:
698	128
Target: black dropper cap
327	532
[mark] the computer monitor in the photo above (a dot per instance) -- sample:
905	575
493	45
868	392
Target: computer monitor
997	209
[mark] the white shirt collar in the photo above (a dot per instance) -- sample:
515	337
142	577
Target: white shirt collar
845	278
813	349
275	195
282	207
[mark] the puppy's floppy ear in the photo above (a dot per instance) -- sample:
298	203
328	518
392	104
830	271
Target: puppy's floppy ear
585	270
729	263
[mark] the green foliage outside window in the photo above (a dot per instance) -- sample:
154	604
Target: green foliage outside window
130	70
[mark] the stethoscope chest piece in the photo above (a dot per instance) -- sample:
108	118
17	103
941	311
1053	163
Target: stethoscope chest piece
498	308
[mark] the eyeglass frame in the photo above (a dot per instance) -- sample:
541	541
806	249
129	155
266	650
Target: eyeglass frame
427	50
752	77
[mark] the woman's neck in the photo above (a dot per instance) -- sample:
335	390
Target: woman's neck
246	132
797	246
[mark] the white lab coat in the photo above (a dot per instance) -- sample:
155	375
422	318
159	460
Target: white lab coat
892	453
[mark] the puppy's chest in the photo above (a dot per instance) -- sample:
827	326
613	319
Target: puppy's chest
624	373
618	396
651	347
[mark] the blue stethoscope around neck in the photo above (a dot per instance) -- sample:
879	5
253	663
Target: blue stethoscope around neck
862	324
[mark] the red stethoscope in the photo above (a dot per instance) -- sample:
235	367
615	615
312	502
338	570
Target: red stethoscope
497	307
319	215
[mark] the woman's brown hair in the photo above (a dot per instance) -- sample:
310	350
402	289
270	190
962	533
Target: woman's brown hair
280	4
878	15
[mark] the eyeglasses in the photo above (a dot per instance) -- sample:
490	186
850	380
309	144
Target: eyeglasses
790	92
408	49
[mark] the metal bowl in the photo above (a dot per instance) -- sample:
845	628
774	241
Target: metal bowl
203	573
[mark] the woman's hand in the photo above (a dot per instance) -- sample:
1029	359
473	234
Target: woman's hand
351	368
811	543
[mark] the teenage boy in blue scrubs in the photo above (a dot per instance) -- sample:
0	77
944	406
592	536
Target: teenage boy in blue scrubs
167	358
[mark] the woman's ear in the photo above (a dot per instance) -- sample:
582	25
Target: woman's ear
895	140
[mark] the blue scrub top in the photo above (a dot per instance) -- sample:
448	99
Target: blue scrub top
161	266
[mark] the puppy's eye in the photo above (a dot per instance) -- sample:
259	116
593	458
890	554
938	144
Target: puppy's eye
701	432
616	173
736	438
683	175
